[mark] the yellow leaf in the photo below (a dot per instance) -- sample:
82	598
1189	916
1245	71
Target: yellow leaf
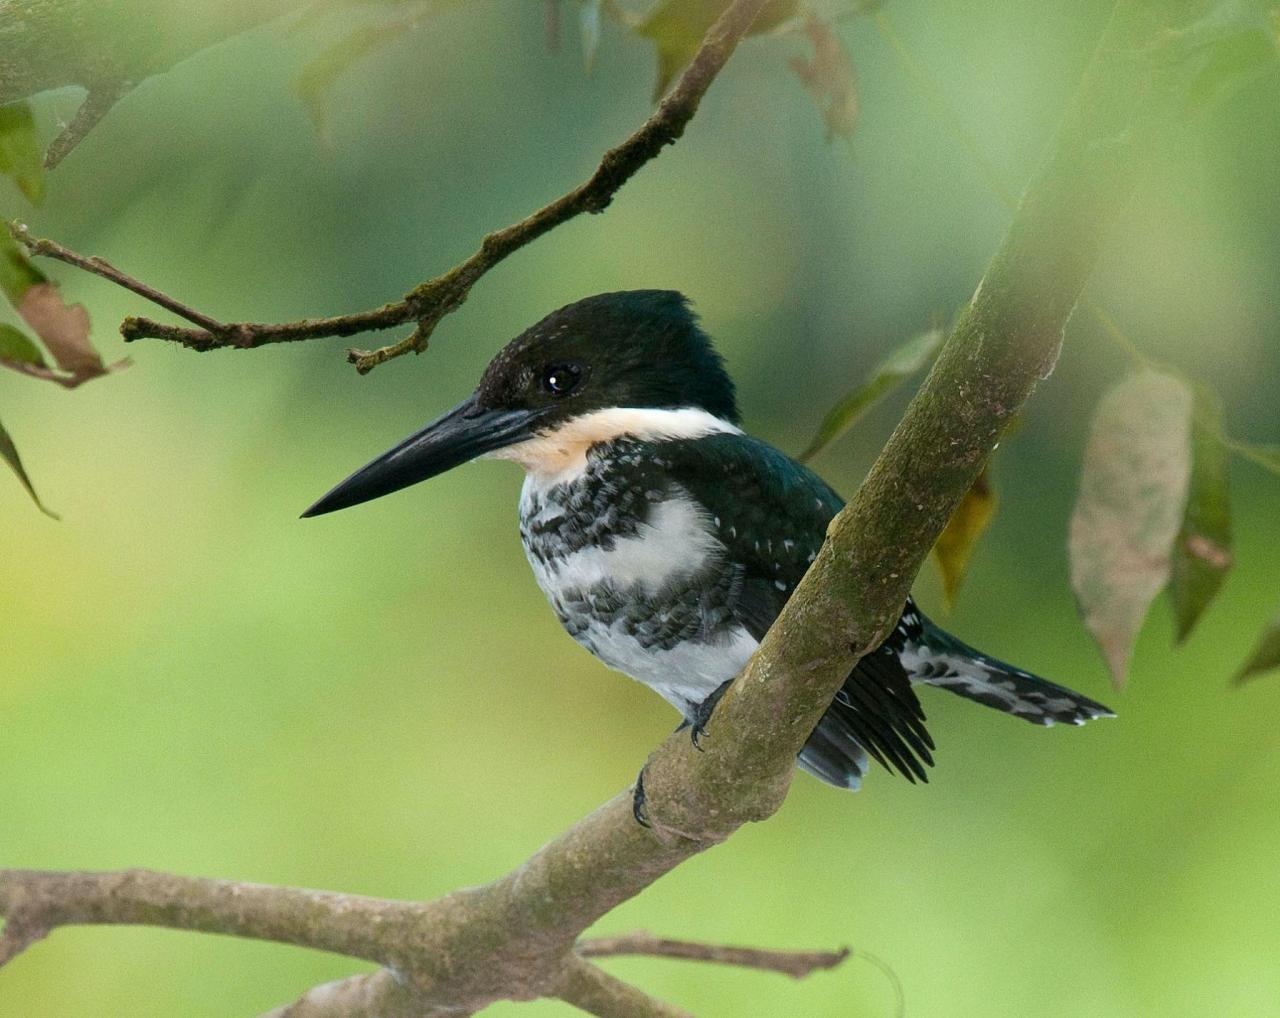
20	154
677	27
968	523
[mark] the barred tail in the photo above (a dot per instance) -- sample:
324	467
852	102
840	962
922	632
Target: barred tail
939	659
876	715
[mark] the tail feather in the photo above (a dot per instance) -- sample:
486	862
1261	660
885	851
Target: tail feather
939	659
833	755
876	715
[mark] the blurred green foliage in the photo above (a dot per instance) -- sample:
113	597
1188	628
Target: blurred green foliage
380	701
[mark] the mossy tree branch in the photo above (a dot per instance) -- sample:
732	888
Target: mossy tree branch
515	938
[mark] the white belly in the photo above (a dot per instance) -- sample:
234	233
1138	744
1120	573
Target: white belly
668	551
683	675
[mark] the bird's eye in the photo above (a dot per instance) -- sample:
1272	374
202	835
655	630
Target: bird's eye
561	379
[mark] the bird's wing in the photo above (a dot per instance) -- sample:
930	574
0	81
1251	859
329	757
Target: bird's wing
771	514
768	511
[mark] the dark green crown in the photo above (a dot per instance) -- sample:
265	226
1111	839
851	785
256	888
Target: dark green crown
634	348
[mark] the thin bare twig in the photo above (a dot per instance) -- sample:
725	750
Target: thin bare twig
431	300
796	964
101	267
596	992
96	105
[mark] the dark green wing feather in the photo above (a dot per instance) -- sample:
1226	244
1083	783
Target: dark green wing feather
771	513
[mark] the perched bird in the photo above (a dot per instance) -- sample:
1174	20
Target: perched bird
667	540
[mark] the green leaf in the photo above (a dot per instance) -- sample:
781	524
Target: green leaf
900	365
16	348
1266	655
589	29
1226	49
677	27
9	453
1133	493
1202	552
316	80
20	154
828	77
960	536
17	275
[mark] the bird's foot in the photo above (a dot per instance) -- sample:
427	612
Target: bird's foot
637	801
702	712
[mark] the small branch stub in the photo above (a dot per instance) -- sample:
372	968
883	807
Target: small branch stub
99	101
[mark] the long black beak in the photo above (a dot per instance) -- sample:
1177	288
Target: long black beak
465	432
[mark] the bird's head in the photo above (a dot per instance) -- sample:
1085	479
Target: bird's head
634	362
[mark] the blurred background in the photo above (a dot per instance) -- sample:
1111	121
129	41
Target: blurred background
380	701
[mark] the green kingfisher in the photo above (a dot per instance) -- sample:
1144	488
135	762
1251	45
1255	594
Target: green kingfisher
667	540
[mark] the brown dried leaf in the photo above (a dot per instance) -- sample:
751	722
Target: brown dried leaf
64	330
829	77
1133	491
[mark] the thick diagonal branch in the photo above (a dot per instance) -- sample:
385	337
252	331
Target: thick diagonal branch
430	301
